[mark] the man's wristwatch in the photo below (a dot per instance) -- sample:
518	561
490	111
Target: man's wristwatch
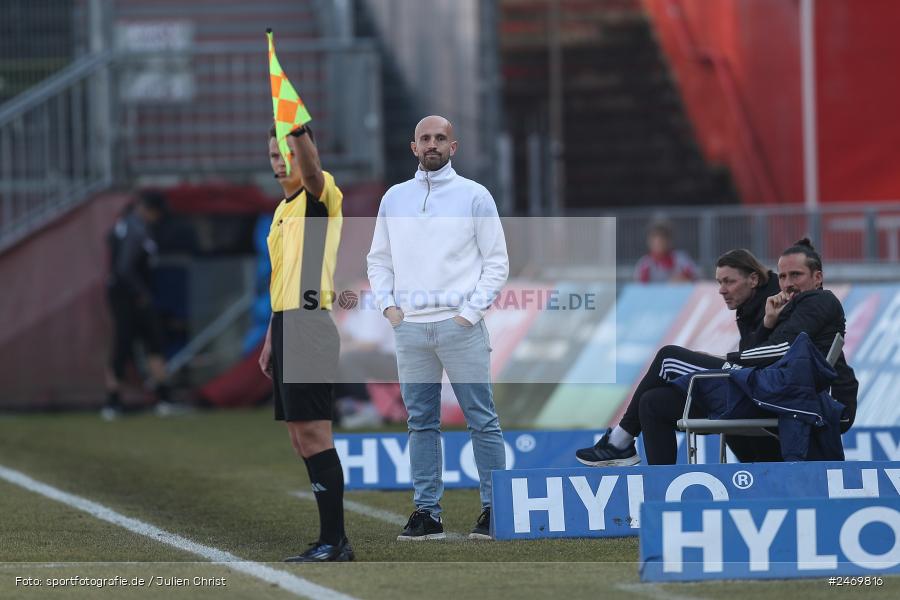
298	132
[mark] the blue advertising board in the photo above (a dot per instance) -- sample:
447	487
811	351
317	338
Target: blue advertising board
873	318
586	502
380	461
766	539
860	443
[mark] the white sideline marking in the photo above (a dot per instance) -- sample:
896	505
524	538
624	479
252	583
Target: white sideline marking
282	579
652	590
371	511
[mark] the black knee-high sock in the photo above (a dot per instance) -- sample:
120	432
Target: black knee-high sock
113	400
163	392
327	479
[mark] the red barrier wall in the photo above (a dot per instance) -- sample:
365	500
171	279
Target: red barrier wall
754	46
54	330
858	96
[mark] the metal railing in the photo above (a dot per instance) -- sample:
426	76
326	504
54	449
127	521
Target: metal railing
198	112
861	239
55	146
37	39
206	109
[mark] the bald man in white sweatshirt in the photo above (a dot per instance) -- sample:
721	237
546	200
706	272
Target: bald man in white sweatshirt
438	260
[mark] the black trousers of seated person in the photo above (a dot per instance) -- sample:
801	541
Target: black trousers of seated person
670	363
659	410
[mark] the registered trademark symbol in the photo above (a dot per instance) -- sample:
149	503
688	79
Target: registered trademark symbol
525	442
742	480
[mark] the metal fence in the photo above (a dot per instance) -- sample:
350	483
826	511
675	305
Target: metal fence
55	147
207	109
861	240
37	39
190	113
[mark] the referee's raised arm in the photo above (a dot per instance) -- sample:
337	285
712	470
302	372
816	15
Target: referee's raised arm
303	146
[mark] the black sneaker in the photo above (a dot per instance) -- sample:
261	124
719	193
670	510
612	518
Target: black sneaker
604	454
482	529
321	552
422	526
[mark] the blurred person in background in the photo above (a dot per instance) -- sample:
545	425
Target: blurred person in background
301	348
261	310
133	252
663	263
745	285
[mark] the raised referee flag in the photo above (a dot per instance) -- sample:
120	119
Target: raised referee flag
287	107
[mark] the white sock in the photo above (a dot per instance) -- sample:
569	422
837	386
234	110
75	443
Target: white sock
620	438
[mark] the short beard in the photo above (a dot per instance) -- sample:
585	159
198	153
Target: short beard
443	161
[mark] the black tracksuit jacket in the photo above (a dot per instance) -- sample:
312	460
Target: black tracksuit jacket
819	313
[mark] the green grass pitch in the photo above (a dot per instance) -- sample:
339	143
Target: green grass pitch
224	479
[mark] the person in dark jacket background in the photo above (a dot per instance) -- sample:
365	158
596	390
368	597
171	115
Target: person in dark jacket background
744	284
132	253
801	305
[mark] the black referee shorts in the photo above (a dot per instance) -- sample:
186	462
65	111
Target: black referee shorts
305	350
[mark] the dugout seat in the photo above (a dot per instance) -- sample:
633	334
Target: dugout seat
745	427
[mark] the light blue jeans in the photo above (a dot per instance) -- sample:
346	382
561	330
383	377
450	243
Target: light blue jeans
424	351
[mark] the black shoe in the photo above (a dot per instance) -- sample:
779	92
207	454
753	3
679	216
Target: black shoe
422	526
482	529
321	552
604	454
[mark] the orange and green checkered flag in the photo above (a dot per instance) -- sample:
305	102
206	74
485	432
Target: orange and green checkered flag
287	107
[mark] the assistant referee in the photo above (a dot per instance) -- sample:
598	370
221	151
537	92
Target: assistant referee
300	353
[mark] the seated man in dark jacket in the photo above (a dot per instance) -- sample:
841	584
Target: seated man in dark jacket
801	305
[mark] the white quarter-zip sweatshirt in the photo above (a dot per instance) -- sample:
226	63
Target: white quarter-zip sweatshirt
438	250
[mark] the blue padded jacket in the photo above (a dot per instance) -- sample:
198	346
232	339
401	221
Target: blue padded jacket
793	389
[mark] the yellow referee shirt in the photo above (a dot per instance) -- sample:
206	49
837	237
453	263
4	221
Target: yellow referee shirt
303	243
